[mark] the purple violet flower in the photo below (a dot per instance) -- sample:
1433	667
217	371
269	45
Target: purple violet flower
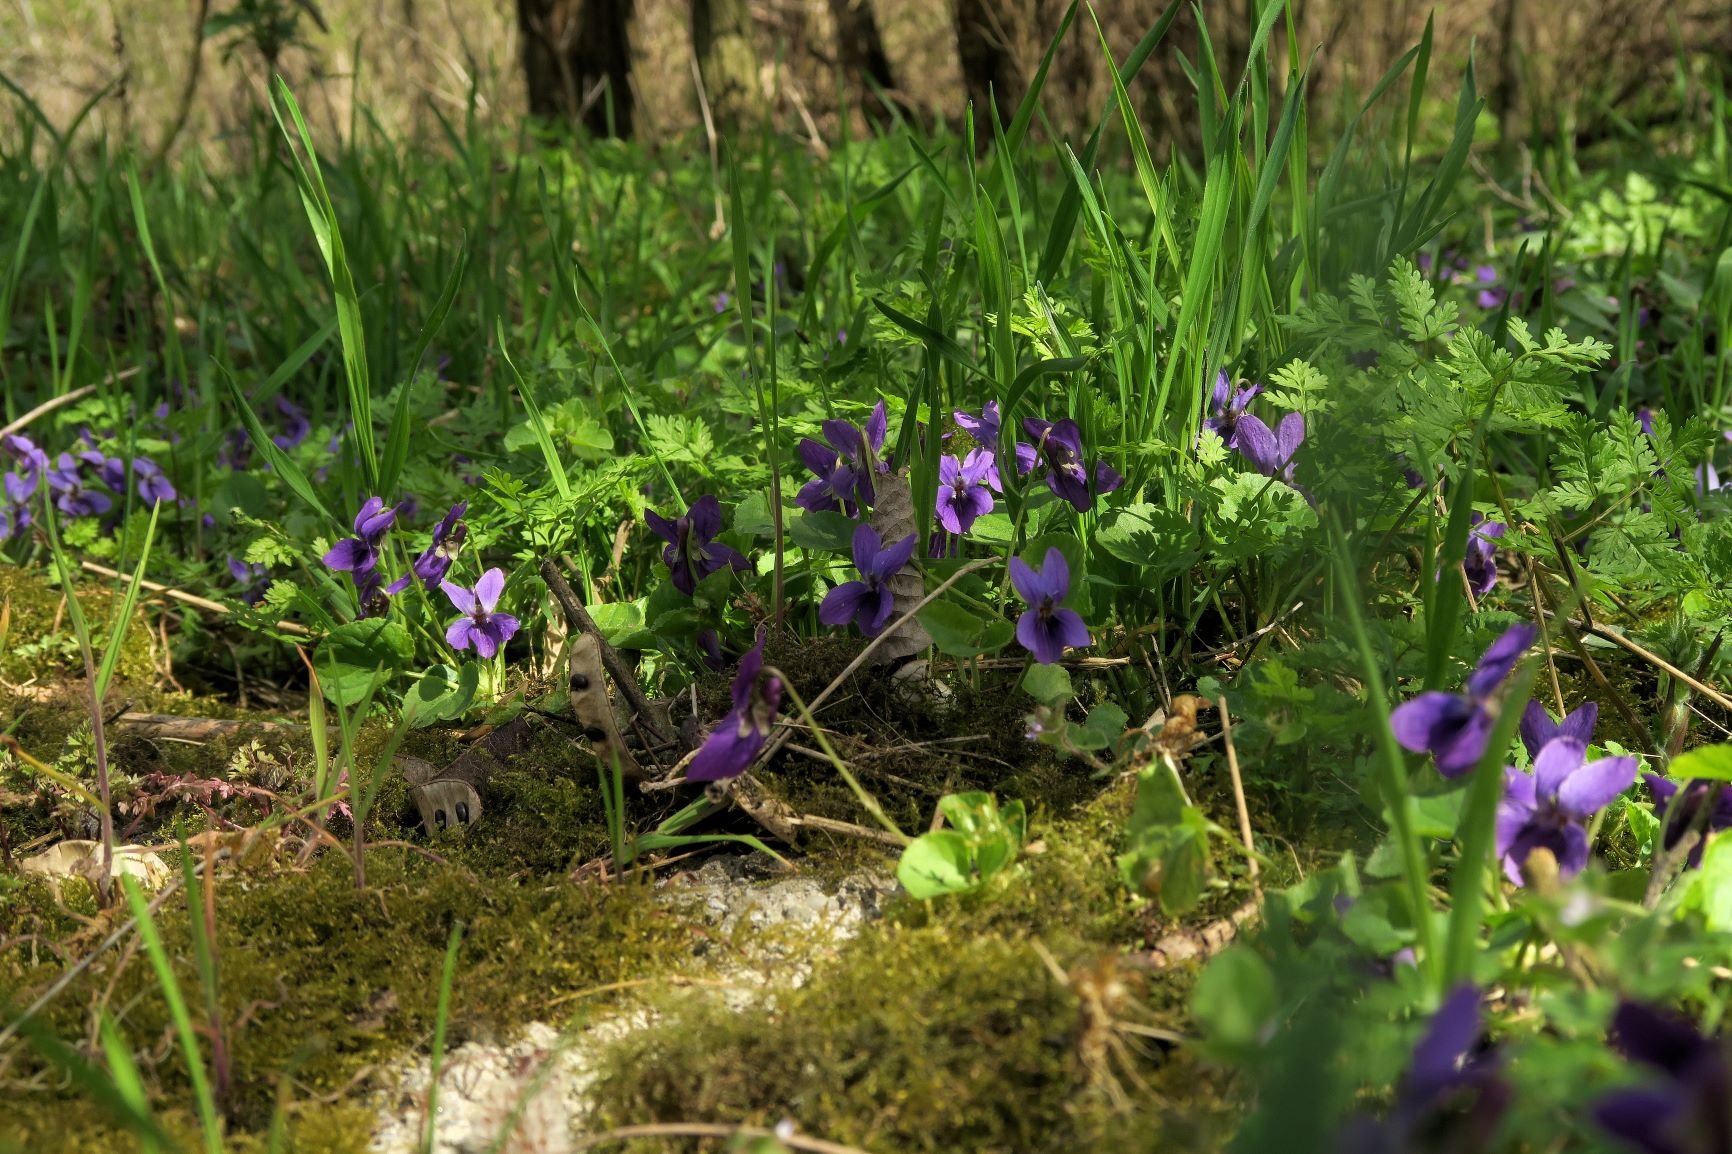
153	486
1685	1111
20	487
292	424
1491	294
23	451
1058	444
1538	728
845	466
1453	1095
867	602
15	515
254	578
692	553
1270	452
1680	813
75	499
984	430
479	626
359	555
1547	807
361	552
1047	628
710	646
1456	728
1227	403
1480	564
734	743
448	536
964	490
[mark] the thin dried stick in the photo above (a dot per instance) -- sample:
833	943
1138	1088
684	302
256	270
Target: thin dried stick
1654	659
1221	654
53	403
577	617
846	829
1573	636
1239	796
184	598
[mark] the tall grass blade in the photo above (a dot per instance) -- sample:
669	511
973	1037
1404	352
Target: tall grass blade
322	215
178	1013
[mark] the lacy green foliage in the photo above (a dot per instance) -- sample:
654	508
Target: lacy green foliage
1428	377
39	646
330	980
1634	497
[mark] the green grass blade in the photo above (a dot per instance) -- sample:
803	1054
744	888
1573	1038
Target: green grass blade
281	464
397	436
103	1088
1063	225
537	423
1477	835
123	617
123	1073
322	215
441	1016
1447	598
1024	115
178	1014
1390	761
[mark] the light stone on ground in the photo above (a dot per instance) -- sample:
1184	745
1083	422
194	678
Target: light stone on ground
794	920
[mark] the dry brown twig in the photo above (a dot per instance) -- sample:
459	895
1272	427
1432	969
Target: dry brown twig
184	598
1239	797
578	618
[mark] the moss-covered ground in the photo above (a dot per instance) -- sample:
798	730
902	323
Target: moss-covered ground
1013	1019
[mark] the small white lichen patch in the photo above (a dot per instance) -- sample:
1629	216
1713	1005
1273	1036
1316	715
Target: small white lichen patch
533	1090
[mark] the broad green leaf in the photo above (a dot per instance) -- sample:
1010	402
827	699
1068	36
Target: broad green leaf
1047	684
1710	886
443	694
1235	999
1713	762
825	529
959	633
936	863
1151	535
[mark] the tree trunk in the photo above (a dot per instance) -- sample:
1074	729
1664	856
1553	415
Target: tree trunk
1506	89
860	50
722	40
577	62
988	72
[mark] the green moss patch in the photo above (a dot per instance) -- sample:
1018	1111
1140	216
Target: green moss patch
913	1040
320	982
40	644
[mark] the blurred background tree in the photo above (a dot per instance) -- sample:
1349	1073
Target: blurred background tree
577	62
632	67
